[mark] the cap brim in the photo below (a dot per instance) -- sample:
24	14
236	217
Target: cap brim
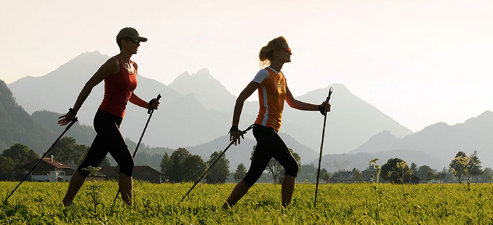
141	39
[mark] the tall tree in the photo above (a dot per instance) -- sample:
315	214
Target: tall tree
425	173
240	172
458	165
396	171
21	155
165	166
177	166
414	168
324	175
357	176
475	165
219	173
194	168
68	151
7	166
441	175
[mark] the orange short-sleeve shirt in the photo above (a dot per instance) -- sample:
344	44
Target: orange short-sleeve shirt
271	94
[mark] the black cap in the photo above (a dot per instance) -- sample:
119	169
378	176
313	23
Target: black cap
129	32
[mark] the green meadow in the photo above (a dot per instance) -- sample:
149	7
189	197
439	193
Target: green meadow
40	203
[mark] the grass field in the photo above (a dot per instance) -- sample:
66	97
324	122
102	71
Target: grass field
38	203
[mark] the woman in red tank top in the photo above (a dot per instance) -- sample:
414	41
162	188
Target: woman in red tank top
119	75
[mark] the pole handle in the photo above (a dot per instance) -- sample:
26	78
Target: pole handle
330	93
150	107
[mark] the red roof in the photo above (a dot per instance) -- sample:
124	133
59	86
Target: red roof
55	163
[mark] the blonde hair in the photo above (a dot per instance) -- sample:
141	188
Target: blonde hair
266	53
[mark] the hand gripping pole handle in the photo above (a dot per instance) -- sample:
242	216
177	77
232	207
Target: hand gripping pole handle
150	103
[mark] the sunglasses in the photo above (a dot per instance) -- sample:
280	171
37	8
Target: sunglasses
137	42
286	49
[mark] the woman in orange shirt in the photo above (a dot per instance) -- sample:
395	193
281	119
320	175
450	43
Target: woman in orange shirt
273	91
120	80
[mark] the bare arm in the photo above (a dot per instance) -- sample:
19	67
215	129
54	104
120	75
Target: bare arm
249	89
109	67
299	104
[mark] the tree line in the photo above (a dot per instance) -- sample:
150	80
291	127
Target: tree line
182	166
461	169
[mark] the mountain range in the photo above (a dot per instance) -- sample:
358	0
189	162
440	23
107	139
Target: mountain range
201	111
196	112
441	141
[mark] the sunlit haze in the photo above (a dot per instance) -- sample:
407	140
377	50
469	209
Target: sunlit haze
420	62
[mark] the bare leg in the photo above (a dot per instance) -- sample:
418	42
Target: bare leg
125	184
287	189
237	193
75	183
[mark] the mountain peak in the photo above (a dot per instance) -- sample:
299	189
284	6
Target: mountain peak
203	72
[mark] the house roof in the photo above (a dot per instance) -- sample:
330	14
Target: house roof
55	163
142	168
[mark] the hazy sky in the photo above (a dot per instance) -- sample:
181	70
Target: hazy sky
420	61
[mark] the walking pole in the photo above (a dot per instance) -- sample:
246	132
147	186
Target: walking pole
207	170
321	147
149	111
39	161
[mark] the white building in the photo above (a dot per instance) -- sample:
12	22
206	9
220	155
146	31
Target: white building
50	170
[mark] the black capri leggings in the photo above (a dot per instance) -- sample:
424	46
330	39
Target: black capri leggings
269	144
108	139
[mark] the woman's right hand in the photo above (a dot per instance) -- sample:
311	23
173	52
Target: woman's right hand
234	135
65	119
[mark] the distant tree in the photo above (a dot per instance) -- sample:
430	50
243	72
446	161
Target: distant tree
219	173
165	166
414	168
194	168
68	151
487	175
177	166
341	176
307	173
441	175
458	165
475	165
324	175
357	175
396	171
7	166
240	172
20	155
465	166
275	168
425	173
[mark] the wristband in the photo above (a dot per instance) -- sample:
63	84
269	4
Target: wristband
72	111
233	128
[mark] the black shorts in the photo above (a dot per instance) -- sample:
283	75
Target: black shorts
108	139
269	145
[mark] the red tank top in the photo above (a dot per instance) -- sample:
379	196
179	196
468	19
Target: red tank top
118	88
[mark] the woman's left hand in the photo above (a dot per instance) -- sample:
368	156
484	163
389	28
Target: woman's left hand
154	103
324	107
